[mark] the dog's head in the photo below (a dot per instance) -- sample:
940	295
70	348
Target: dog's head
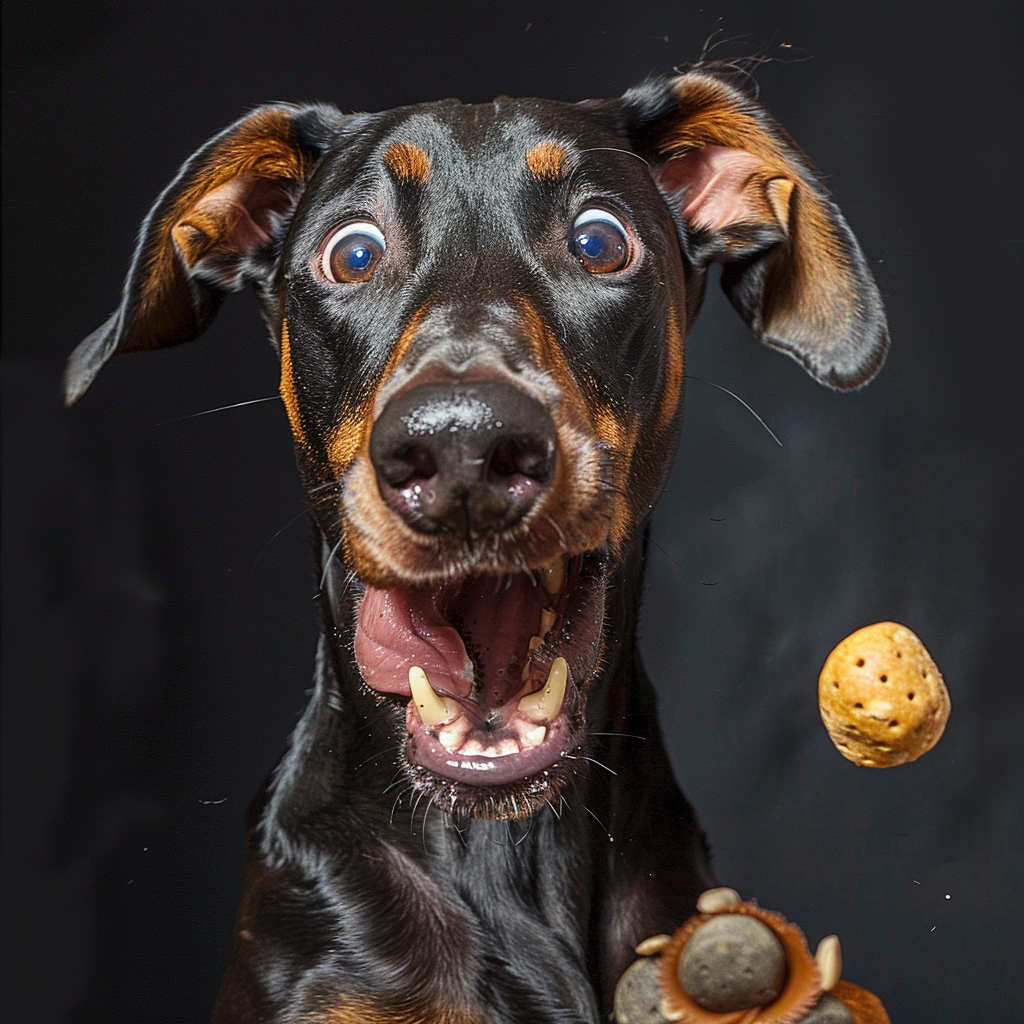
480	314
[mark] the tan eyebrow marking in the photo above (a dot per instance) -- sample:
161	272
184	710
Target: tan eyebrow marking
547	160
408	163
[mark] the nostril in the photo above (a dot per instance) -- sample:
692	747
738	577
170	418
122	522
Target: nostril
519	457
411	465
460	458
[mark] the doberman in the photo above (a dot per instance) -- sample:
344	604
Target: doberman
480	313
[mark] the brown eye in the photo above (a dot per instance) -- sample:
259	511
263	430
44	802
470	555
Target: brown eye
600	242
353	252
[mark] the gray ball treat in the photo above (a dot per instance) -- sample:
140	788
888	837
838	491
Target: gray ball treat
733	962
829	1010
638	996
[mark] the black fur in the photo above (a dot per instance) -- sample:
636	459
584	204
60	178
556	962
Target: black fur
372	890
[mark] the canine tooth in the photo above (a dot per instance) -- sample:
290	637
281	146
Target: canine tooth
535	642
547	620
552	575
433	708
543	706
534	737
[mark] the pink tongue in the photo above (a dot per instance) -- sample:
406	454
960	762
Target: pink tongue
398	629
496	617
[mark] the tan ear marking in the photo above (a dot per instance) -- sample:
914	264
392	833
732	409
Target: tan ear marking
408	163
547	160
261	156
779	191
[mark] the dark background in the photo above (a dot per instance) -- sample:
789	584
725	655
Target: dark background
158	621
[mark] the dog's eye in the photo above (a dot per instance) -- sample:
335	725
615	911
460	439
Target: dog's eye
352	252
600	242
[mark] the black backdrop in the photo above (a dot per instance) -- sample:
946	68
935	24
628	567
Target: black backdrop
158	623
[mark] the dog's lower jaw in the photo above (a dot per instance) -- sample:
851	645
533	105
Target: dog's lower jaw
574	886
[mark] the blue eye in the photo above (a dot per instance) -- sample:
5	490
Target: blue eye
600	242
351	253
359	257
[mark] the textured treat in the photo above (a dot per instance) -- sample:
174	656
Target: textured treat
733	962
865	1006
882	697
829	1011
800	991
638	996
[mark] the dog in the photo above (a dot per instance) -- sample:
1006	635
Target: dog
480	313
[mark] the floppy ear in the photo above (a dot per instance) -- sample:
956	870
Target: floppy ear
212	231
749	199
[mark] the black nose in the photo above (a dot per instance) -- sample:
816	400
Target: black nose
463	458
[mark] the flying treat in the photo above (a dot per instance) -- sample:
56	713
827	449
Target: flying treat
881	696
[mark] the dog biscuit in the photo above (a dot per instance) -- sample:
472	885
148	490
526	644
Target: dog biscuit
882	697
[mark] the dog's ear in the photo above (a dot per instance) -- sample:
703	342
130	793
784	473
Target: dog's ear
749	199
213	230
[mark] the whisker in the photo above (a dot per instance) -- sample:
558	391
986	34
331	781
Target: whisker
412	817
627	735
221	408
689	376
583	757
557	529
430	803
613	149
327	564
325	486
666	554
396	780
394	807
611	838
373	757
529	829
294	519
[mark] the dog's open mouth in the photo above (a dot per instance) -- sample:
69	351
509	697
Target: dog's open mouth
492	667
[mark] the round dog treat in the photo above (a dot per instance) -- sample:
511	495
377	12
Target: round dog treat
733	962
881	696
638	995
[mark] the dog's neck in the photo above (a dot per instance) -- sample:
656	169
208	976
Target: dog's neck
340	801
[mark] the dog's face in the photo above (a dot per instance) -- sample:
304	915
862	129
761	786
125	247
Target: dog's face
480	312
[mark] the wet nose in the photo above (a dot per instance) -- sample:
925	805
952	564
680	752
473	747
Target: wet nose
468	459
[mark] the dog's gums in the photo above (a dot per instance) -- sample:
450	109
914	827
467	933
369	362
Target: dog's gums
491	670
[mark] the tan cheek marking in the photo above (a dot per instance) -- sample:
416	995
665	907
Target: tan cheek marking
288	395
674	367
547	160
547	354
408	163
352	435
619	435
